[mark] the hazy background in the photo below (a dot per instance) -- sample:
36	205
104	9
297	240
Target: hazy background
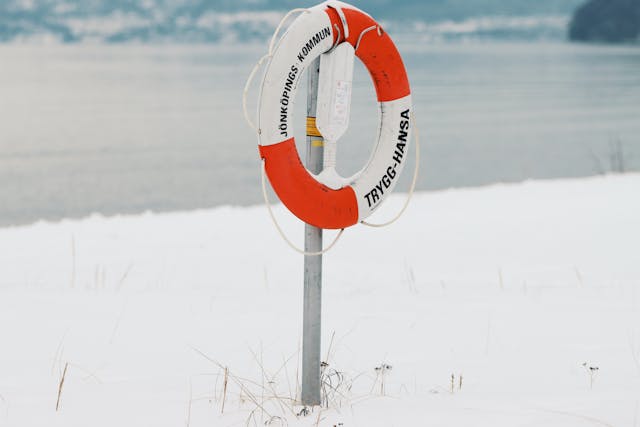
123	106
246	20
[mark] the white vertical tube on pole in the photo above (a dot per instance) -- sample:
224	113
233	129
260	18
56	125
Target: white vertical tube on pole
333	107
312	264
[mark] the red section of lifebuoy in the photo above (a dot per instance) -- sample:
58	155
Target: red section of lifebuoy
378	53
309	200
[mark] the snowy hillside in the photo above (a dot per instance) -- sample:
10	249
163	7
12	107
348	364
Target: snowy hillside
500	306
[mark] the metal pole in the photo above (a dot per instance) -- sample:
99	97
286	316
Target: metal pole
312	264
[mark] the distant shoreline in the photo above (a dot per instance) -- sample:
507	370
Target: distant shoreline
257	27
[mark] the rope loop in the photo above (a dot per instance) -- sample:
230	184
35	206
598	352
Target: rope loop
365	31
258	64
281	232
246	91
272	44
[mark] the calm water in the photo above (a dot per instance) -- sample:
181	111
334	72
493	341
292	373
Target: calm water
122	129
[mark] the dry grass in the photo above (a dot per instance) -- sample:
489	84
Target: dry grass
273	399
64	374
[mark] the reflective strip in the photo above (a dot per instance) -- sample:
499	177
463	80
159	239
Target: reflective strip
312	130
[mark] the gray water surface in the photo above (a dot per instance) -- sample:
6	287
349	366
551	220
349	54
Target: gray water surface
125	128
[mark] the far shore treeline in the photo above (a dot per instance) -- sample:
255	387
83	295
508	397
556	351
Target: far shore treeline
607	21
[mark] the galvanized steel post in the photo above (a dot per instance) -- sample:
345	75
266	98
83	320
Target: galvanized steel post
312	264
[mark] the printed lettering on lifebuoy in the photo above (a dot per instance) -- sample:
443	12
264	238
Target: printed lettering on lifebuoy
291	79
285	99
376	193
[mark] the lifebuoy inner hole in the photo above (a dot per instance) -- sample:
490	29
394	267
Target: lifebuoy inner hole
357	144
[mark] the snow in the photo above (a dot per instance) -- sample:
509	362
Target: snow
513	287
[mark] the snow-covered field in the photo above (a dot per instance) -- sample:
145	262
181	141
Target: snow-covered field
528	292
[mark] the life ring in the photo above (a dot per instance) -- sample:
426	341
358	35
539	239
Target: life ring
314	32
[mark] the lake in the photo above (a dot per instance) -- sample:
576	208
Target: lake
129	128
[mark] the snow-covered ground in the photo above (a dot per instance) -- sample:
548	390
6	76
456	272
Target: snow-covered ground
528	292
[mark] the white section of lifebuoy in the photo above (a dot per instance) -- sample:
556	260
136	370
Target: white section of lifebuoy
308	37
381	174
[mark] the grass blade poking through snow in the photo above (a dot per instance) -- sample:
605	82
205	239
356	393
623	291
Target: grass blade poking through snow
64	374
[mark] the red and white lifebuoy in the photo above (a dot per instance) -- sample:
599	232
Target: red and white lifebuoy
314	32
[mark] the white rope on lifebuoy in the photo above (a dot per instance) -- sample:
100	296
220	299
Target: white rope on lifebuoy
246	90
281	232
365	31
272	44
258	64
